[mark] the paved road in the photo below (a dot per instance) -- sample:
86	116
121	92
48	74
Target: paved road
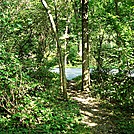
70	72
74	72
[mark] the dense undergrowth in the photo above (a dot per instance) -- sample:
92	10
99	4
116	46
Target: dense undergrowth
40	111
115	93
31	101
117	89
30	98
33	108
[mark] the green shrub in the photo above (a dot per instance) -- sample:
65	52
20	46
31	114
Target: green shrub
115	88
28	105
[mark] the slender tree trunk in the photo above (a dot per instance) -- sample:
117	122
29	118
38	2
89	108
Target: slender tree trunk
99	59
118	35
76	14
85	47
66	42
59	50
117	31
62	68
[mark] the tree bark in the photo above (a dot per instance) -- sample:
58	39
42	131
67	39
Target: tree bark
59	50
85	47
118	35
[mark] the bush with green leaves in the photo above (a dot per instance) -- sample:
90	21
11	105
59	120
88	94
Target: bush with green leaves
13	81
27	105
117	89
41	110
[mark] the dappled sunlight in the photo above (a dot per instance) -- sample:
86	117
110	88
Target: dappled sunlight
85	73
83	100
86	118
96	110
98	116
86	113
90	124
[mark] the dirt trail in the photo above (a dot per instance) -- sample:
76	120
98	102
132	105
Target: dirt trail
102	118
94	116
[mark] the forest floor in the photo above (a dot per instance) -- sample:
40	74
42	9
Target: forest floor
102	117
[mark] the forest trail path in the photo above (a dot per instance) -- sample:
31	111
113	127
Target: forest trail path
96	115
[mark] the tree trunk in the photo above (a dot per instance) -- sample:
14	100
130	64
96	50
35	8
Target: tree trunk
117	31
59	50
118	35
85	47
99	59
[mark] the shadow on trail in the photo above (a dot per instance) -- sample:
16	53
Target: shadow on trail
102	117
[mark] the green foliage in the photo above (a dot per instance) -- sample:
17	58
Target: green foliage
73	57
116	89
111	37
125	126
10	72
78	82
41	111
32	104
28	105
30	101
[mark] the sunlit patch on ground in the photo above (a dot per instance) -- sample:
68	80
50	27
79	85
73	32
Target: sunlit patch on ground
95	114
